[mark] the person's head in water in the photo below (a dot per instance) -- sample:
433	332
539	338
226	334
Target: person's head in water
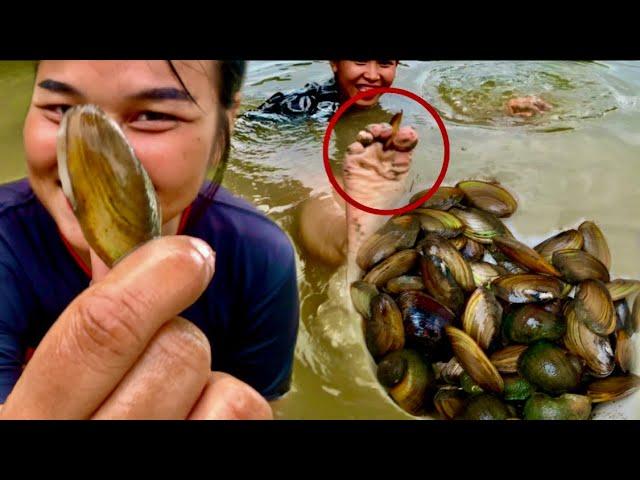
355	76
177	116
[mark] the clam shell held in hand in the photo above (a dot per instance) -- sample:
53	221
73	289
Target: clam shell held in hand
109	190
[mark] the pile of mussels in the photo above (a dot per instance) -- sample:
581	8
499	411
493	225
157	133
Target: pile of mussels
462	317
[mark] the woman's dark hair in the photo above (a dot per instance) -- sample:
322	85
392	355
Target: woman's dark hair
231	74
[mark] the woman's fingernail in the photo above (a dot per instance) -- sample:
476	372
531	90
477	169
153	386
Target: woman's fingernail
207	254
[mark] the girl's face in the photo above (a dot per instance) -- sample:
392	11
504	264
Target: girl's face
172	137
355	76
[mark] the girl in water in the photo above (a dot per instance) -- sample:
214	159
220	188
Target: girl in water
369	176
110	344
350	77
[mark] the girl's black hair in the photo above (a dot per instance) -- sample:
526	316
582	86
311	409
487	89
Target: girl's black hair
231	74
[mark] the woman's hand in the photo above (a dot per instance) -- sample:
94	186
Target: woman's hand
119	350
527	106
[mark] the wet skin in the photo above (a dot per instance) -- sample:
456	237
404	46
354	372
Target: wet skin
527	106
373	176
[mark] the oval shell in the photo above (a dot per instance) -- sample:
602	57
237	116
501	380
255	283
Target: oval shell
474	361
108	188
577	266
593	348
594	307
524	255
595	243
569	239
482	317
489	197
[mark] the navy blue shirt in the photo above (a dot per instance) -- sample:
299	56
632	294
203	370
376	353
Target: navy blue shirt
249	311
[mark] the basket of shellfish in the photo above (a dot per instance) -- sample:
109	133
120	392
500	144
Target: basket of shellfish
465	321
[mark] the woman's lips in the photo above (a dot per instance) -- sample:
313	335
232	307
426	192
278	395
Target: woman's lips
367	88
364	88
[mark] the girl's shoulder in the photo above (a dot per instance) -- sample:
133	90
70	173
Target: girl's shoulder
21	214
14	195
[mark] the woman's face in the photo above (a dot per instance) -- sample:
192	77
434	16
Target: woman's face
172	136
355	76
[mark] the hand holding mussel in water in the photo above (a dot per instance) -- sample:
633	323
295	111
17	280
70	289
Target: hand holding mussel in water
464	319
527	106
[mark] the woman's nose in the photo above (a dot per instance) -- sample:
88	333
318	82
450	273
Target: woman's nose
371	72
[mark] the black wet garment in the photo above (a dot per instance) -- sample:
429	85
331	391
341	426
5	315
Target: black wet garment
318	100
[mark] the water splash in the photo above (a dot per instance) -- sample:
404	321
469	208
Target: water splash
477	92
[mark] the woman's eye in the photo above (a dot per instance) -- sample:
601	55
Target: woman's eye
153	121
55	112
386	63
154	117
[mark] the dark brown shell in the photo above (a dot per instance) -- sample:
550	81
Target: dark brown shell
443	199
440	284
474	360
569	239
398	233
595	243
524	255
594	307
394	266
489	197
577	266
528	287
384	332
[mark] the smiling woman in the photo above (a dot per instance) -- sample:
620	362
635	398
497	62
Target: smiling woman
177	116
350	77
